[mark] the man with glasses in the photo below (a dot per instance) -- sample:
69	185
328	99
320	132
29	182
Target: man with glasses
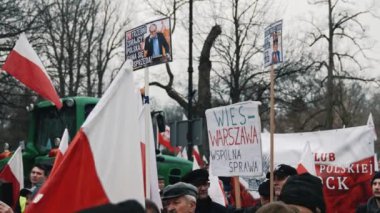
199	178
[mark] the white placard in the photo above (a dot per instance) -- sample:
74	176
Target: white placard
235	139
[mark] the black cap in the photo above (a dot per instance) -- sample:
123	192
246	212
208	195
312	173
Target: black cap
283	171
264	188
179	189
375	176
196	177
304	190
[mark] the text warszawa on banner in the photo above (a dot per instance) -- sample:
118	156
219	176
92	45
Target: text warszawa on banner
235	140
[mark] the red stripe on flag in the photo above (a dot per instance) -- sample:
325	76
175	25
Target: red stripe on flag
198	158
32	76
7	176
143	159
75	185
166	143
301	169
57	161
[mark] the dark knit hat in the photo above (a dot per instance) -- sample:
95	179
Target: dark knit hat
196	177
375	176
264	188
304	190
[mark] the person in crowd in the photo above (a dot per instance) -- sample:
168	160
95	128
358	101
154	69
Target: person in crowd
161	183
305	192
38	176
199	179
25	198
264	192
180	198
373	203
281	173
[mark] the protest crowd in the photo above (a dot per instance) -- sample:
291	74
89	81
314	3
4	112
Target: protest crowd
85	178
293	192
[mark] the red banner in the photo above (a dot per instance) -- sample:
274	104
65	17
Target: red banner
346	187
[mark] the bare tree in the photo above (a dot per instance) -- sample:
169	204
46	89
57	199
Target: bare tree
204	68
16	17
108	42
343	26
238	46
81	39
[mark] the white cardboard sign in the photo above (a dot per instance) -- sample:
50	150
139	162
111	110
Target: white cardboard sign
235	140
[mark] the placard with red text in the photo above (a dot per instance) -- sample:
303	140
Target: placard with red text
235	140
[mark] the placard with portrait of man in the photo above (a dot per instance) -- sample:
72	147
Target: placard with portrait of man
273	52
149	44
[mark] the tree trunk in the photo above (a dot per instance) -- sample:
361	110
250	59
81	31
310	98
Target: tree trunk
204	68
330	69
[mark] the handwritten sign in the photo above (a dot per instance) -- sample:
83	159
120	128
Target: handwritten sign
235	140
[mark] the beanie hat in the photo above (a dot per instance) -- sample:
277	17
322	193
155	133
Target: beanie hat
375	176
196	177
264	188
303	190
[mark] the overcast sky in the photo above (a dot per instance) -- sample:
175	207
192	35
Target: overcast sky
294	13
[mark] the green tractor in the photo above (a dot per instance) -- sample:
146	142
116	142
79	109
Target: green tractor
47	124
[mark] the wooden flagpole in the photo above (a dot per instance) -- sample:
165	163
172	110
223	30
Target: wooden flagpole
272	129
147	138
237	192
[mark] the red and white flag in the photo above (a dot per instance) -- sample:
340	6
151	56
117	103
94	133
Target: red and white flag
63	145
13	173
371	124
306	164
153	175
24	64
216	190
103	162
164	140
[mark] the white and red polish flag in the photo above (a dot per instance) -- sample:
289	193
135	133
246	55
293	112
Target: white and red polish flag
24	64
164	140
153	176
307	163
13	173
103	162
63	146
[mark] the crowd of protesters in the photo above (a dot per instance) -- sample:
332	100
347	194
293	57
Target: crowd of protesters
293	192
